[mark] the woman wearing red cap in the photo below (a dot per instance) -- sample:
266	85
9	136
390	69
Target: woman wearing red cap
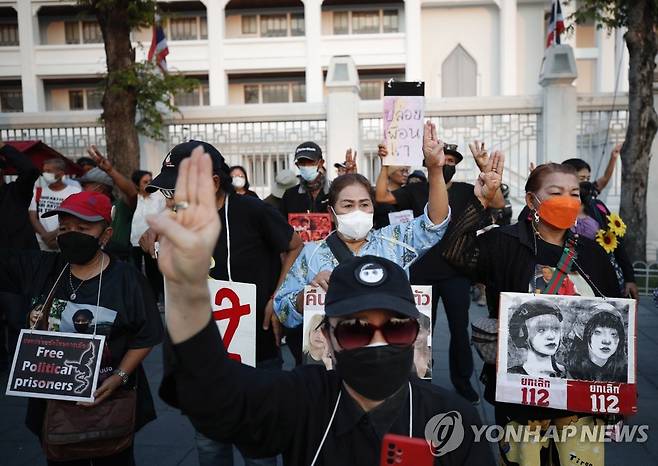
84	277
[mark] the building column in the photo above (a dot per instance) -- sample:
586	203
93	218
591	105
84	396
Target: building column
32	86
560	106
217	81
412	25
342	111
508	39
313	33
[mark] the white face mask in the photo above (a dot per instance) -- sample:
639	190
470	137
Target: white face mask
309	173
49	178
239	181
355	225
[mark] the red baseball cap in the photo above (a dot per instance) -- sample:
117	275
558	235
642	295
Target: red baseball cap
88	206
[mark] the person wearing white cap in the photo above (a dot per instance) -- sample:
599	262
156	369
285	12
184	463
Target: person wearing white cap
284	180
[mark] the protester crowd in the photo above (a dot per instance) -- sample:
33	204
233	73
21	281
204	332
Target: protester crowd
95	249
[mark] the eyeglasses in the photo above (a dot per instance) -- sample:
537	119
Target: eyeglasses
352	334
168	193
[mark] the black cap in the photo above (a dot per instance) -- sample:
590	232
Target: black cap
308	150
451	149
369	282
169	171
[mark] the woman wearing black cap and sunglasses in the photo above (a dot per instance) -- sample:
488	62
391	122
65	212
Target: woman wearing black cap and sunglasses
337	417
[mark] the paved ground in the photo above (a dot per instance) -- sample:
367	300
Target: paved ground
168	441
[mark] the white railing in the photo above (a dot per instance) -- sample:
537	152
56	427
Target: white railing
646	276
263	137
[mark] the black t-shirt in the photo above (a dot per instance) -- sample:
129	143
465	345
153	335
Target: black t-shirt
432	268
258	235
127	313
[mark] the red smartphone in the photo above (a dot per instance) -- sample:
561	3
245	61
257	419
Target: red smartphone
398	450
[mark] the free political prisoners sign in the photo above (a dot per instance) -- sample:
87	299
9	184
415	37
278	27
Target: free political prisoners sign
315	347
404	105
234	311
567	352
54	365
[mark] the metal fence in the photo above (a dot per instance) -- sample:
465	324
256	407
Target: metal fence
71	141
516	134
262	147
646	276
599	131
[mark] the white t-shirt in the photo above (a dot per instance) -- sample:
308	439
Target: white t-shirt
49	200
152	204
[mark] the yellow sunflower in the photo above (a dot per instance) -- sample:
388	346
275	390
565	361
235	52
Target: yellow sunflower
616	225
607	240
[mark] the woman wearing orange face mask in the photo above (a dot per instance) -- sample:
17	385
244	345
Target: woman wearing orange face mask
512	258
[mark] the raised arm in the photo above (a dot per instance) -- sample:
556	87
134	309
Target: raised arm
437	205
382	194
225	400
27	172
126	186
481	157
604	179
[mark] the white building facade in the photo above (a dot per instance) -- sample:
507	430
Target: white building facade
269	77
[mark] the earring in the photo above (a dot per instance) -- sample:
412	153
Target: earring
536	216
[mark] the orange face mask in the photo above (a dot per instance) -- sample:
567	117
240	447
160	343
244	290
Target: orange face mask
559	211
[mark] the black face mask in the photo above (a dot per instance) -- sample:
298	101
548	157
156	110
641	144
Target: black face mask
448	172
78	248
587	191
375	372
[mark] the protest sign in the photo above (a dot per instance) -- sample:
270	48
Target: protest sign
56	365
311	227
567	352
234	311
316	348
404	104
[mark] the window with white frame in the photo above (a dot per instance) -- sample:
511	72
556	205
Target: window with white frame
273	24
274	92
249	24
8	34
373	21
85	99
193	27
11	99
82	32
197	96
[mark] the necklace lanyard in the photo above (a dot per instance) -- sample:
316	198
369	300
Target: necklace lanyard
333	415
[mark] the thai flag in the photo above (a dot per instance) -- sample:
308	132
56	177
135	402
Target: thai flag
555	25
159	48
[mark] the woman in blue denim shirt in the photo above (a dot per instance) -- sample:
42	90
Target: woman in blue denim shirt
351	202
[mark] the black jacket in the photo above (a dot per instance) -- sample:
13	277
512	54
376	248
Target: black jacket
267	412
504	259
297	200
16	231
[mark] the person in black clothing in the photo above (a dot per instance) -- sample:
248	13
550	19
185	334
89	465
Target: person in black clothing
504	259
593	217
114	292
240	181
310	195
16	233
309	415
257	236
452	287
